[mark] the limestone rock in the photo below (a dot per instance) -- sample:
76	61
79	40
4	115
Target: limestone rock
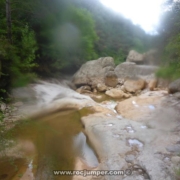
111	79
174	86
152	84
93	72
135	108
173	148
130	158
134	85
84	89
136	57
101	87
131	70
117	93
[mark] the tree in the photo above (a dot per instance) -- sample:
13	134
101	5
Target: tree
18	46
169	41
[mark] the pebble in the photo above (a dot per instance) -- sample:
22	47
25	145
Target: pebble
135	142
131	131
144	127
109	124
129	158
116	135
151	107
119	117
166	159
173	148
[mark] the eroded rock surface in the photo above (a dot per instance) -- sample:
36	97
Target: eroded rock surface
140	134
131	70
134	85
146	146
93	72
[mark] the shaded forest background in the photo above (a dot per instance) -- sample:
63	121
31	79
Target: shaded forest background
46	38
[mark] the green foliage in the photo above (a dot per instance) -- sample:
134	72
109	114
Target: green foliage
20	57
171	59
138	45
120	57
23	56
172	49
115	32
49	37
172	71
177	172
169	42
29	47
74	39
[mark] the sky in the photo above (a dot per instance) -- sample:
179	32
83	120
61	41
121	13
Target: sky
146	13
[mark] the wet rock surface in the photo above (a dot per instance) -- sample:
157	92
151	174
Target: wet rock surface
140	135
146	144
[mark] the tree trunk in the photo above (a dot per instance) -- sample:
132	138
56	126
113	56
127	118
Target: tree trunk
8	19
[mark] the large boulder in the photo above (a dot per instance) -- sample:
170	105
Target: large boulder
117	93
149	58
131	70
93	72
174	86
134	85
136	57
111	79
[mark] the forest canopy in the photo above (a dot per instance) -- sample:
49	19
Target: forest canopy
45	38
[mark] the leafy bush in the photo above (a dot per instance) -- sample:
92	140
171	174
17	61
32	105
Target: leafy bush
172	71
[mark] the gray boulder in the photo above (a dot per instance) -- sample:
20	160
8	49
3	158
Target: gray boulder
149	58
93	72
174	86
131	70
136	57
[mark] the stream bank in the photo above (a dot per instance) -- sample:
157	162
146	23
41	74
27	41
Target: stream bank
124	135
133	126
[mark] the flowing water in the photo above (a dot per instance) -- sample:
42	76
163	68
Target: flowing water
51	142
